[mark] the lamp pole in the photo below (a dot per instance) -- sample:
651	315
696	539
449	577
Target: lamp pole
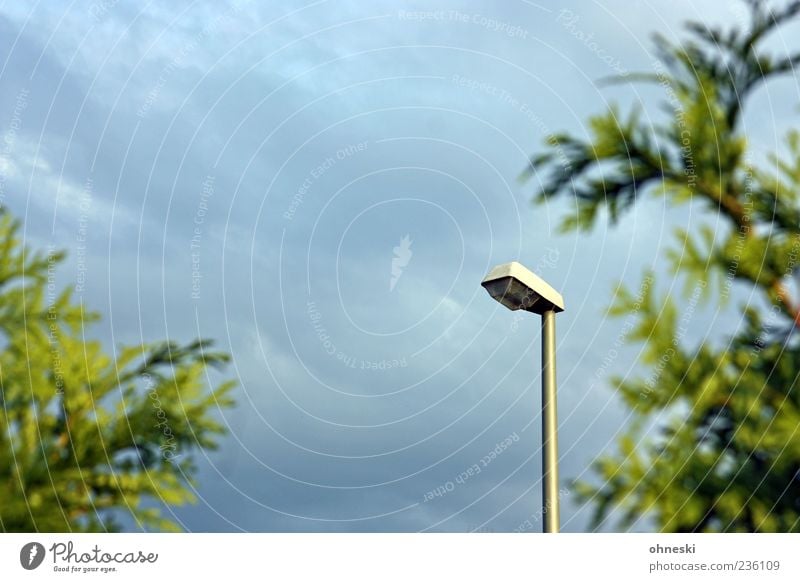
549	424
515	287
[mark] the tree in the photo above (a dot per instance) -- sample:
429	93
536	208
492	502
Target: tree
728	457
86	436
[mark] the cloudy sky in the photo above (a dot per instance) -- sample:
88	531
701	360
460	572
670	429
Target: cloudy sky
321	186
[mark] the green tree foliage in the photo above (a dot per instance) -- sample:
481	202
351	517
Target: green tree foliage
85	435
725	455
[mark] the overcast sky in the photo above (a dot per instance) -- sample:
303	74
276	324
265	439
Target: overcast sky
321	186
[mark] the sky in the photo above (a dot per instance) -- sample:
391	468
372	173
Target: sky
320	187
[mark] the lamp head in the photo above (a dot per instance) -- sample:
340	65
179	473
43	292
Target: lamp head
518	288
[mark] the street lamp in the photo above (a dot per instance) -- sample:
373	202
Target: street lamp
518	288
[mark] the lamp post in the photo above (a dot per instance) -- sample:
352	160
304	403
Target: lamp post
516	287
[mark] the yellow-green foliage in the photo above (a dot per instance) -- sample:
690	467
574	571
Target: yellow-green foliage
725	452
85	435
